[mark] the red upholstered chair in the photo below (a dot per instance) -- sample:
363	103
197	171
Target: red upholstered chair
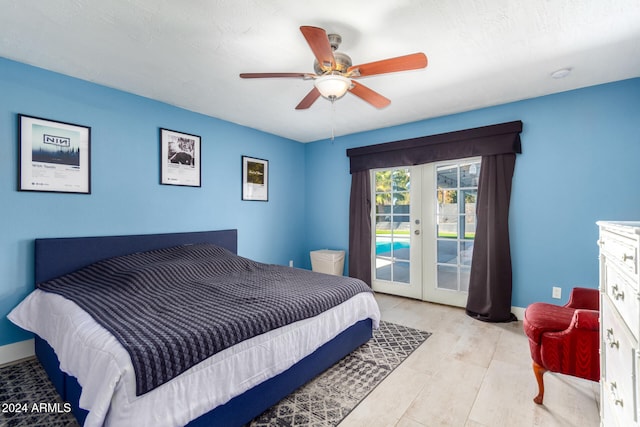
565	339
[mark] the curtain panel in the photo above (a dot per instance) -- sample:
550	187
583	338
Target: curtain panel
491	273
490	281
360	226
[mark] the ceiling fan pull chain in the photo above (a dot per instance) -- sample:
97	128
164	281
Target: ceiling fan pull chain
333	118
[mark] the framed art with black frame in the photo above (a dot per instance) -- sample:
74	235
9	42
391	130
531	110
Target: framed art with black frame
255	179
53	156
180	159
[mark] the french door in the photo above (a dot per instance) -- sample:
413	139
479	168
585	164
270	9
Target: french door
396	235
424	227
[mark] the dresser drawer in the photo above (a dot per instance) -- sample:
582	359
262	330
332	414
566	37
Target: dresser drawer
612	415
618	350
621	250
624	297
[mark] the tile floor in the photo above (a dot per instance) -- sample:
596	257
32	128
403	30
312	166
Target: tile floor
470	374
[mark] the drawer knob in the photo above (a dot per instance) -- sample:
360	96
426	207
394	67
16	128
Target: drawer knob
617	295
613	388
612	343
626	257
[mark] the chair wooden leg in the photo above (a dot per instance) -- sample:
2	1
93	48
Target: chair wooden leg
539	371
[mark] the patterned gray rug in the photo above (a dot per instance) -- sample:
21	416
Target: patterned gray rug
324	401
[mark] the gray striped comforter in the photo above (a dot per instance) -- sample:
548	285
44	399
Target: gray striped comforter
172	308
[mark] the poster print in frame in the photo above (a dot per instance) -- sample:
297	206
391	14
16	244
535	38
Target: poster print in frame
179	158
54	156
255	179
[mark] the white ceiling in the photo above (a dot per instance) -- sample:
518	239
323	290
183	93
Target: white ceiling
189	53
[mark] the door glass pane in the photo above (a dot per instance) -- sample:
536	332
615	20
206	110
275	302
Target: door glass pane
469	174
447	176
466	251
448	251
393	204
468	212
456	222
383	183
448	212
464	278
447	277
447	226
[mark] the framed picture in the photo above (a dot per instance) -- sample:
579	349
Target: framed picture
54	156
179	158
255	179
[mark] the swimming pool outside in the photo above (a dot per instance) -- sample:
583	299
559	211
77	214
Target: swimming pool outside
385	247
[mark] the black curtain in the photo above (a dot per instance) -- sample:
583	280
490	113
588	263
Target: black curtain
490	281
360	227
489	276
482	141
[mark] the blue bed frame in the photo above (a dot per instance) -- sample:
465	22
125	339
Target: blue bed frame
57	256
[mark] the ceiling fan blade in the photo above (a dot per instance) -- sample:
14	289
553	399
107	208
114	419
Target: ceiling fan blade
369	95
319	44
308	100
400	63
268	75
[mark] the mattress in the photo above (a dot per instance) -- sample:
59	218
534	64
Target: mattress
103	367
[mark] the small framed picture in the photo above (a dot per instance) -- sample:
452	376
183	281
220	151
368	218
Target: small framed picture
54	156
179	158
255	179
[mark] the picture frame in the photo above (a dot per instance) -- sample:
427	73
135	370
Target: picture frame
54	156
255	179
180	158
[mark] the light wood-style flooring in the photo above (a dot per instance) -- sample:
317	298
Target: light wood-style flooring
470	374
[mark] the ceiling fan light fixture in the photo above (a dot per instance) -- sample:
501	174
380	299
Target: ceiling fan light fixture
332	86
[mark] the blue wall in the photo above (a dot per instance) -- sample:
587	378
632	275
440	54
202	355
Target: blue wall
126	195
579	164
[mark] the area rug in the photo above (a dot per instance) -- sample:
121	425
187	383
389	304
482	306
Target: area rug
327	399
324	401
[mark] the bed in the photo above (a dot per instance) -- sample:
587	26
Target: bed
228	389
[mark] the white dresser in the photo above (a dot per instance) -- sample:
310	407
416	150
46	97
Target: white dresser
619	323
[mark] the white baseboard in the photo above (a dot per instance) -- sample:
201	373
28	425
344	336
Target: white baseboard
518	312
16	351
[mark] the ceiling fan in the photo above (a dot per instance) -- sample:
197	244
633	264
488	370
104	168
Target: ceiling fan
335	75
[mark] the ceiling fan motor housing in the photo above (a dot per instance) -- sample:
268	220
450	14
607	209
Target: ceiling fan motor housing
343	62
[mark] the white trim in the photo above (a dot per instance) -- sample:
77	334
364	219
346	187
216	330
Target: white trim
518	312
12	352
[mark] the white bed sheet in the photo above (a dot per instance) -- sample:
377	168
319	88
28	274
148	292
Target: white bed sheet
103	367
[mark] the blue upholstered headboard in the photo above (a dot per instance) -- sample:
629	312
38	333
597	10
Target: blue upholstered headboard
57	256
